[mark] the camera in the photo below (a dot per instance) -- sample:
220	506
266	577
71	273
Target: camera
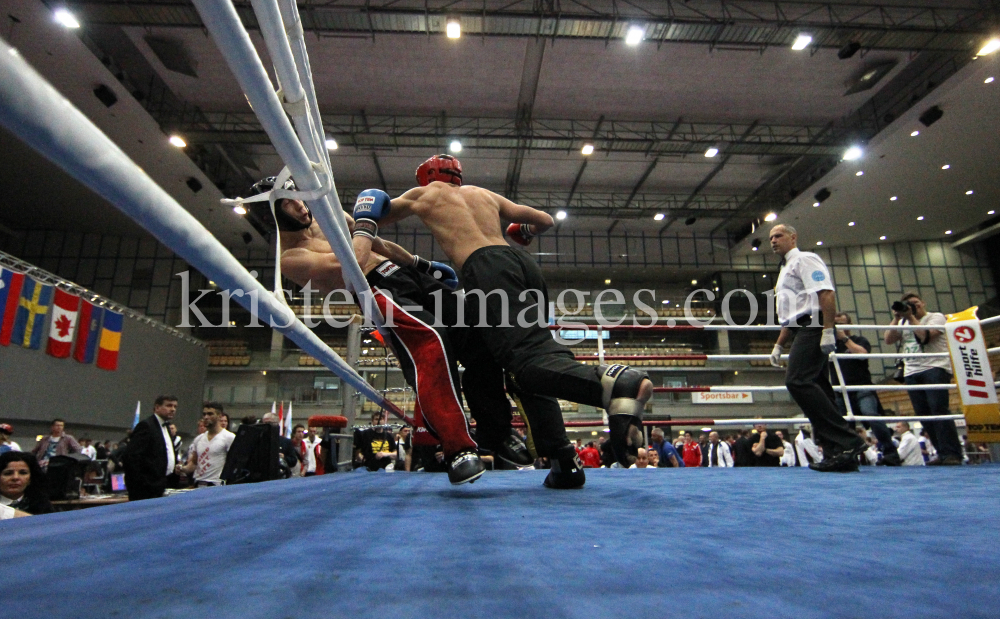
904	306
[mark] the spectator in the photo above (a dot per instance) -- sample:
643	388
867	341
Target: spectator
654	458
307	457
927	447
703	446
870	456
692	452
288	458
207	455
102	449
766	448
641	460
57	443
718	454
314	442
911	310
224	421
376	443
909	447
22	484
6	430
806	450
149	457
87	449
404	445
590	457
667	454
742	450
787	458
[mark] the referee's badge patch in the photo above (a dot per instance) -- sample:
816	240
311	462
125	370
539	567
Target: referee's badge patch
818	276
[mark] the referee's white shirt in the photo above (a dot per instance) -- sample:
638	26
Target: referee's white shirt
800	280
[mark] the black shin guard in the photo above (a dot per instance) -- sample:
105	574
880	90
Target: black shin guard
621	391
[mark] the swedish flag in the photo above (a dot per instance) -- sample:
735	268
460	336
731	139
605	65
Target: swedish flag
33	306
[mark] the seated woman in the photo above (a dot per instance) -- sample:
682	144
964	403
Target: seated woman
22	483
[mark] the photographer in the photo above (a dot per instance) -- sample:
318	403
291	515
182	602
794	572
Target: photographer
864	403
911	310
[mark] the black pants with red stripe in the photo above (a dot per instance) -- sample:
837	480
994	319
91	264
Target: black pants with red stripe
424	351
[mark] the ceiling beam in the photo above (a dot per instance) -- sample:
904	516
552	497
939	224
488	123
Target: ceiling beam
533	56
642	180
742	24
583	165
386	132
718	168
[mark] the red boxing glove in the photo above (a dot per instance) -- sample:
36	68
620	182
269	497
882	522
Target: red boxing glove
520	233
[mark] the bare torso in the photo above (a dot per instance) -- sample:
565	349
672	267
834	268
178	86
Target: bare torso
307	256
462	219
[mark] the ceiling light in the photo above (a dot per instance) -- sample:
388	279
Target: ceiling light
635	34
914	134
802	41
454	29
770	217
893	199
607	281
64	18
850	223
921	218
239	210
694	282
859	173
711	152
990	212
968	193
331	144
588	149
177	141
947	231
945	166
989	80
881	238
665	302
991	46
815	204
763	276
853	153
560	215
819	242
455	146
754	248
658	217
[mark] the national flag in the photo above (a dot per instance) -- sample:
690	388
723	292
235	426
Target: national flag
10	292
88	332
111	338
135	421
288	422
281	418
33	306
62	325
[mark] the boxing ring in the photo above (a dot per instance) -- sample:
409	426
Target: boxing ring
742	542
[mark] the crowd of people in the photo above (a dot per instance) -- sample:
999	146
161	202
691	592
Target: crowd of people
154	458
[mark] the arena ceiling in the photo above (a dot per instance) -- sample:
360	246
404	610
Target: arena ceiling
529	83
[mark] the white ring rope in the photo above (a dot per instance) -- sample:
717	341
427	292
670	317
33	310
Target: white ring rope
38	114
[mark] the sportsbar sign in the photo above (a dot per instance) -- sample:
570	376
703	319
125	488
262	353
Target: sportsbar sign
973	376
722	397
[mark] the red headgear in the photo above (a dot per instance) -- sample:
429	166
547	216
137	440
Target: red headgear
440	168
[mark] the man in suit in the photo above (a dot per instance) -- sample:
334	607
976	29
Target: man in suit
148	460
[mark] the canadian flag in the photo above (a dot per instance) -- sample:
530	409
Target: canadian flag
65	308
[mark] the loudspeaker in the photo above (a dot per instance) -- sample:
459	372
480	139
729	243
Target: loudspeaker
931	116
253	456
105	95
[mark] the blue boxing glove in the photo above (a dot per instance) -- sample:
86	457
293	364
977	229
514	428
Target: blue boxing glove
439	271
370	207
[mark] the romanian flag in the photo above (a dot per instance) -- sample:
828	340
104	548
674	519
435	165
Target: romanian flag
10	292
111	338
65	309
32	307
88	332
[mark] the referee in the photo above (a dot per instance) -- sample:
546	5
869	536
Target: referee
804	297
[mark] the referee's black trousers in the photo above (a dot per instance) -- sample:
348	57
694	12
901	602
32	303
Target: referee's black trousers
808	383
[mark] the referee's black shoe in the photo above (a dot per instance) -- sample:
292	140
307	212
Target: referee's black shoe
465	467
514	453
844	462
